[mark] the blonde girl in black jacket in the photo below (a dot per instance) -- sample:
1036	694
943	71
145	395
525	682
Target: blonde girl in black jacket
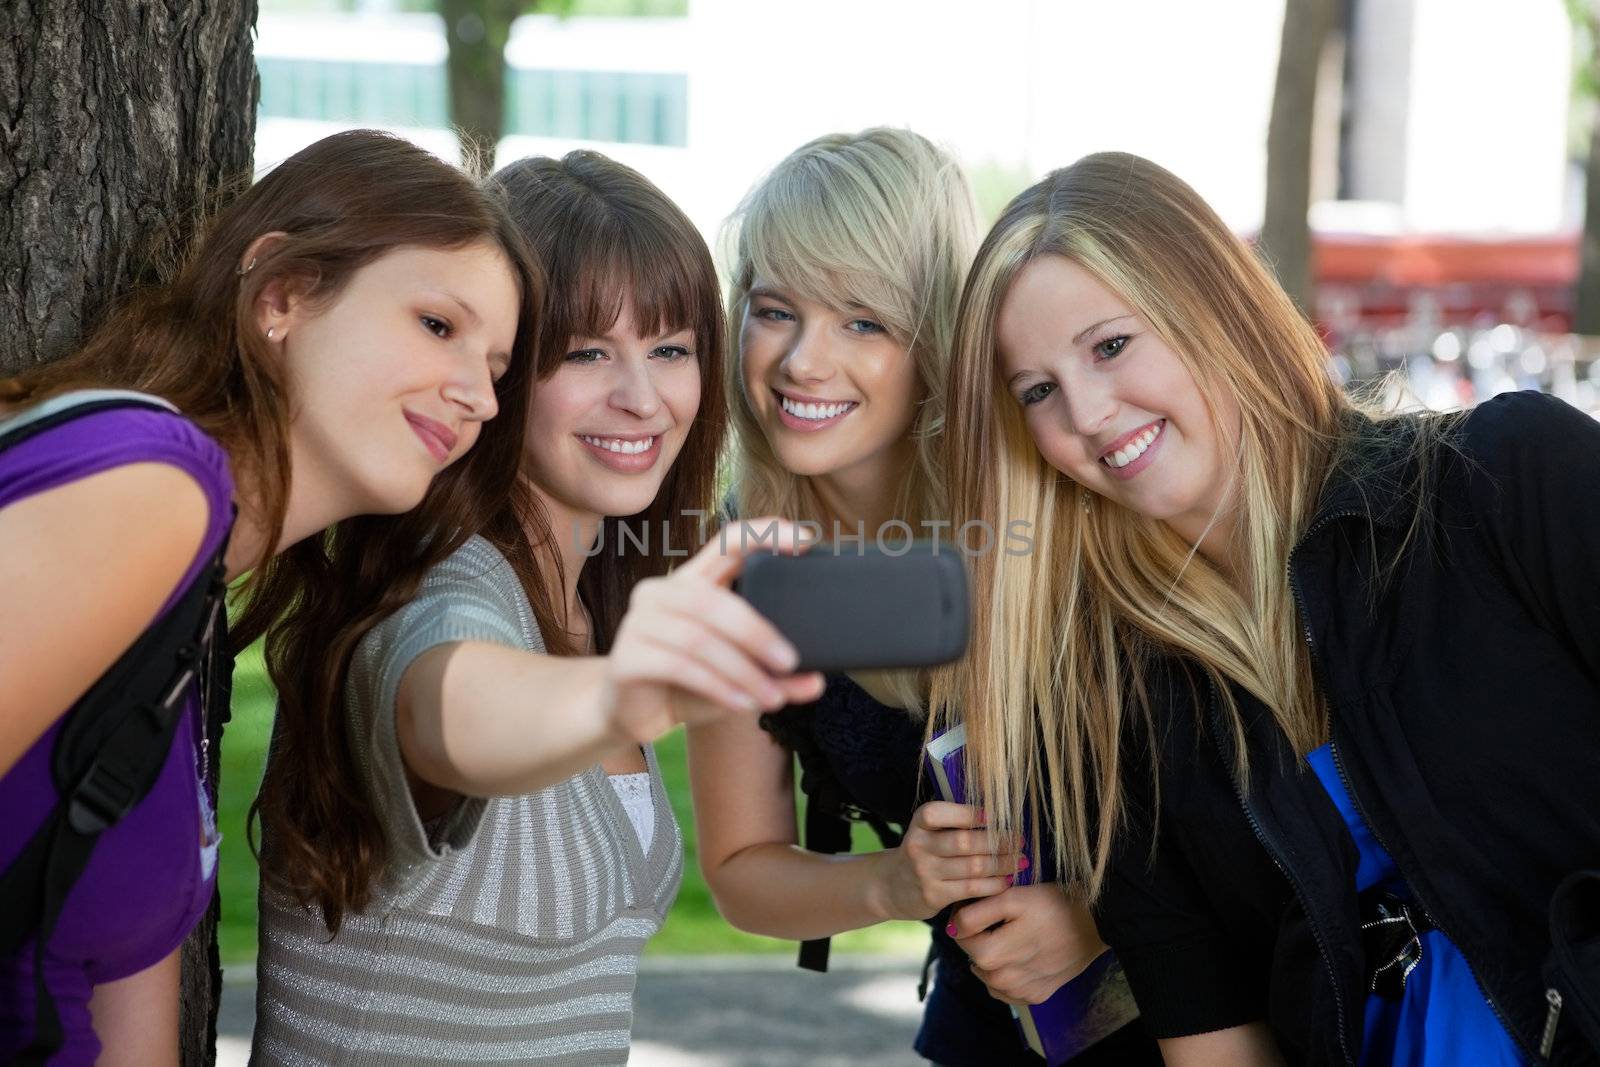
1312	696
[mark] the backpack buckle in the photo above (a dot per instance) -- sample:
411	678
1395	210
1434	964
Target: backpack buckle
100	799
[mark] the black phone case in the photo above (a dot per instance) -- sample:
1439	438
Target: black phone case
866	611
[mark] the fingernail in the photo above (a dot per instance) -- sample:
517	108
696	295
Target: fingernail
1022	863
951	929
784	656
1011	880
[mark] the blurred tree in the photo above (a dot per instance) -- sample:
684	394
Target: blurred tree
477	32
1285	231
123	120
1585	16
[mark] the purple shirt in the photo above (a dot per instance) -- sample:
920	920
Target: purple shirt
149	879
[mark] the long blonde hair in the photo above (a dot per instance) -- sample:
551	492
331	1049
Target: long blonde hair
1053	681
881	219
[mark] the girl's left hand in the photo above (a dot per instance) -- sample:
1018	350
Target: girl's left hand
1044	940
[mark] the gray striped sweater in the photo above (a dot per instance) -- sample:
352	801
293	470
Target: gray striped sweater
507	931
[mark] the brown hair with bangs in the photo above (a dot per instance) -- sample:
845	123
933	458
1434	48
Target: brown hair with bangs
608	237
603	235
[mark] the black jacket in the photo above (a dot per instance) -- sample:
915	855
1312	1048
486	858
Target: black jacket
1464	697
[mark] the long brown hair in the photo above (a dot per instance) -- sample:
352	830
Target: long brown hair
341	202
608	235
365	193
602	232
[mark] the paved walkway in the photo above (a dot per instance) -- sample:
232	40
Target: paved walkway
710	1011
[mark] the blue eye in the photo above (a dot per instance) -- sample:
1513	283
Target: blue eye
1035	393
671	352
865	326
585	355
772	314
1111	347
435	325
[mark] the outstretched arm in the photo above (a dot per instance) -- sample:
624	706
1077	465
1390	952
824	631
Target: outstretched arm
482	719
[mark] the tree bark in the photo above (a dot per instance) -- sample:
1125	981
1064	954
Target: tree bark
476	32
118	119
120	122
1285	232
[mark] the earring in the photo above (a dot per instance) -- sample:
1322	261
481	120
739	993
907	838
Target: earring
1088	500
270	331
247	268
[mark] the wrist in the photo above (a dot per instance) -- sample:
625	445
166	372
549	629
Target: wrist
612	727
878	887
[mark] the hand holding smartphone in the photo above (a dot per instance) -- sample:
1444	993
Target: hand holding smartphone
866	610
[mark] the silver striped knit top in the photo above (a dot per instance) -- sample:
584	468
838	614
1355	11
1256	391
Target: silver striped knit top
507	931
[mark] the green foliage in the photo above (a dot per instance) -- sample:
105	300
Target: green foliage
993	186
608	8
1585	18
244	755
648	8
1584	15
693	926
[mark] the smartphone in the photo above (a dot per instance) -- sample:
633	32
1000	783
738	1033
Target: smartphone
867	610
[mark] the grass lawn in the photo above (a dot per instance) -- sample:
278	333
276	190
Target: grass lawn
692	927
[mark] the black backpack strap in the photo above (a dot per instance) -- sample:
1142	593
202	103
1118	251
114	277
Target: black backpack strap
107	758
111	747
28	424
828	832
829	811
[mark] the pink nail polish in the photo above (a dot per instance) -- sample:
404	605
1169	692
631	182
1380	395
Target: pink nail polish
1023	864
1011	880
950	929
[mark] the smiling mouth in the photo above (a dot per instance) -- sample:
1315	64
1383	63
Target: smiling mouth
622	446
808	414
1137	446
438	438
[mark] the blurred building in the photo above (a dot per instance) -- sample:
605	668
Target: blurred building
1445	199
1453	112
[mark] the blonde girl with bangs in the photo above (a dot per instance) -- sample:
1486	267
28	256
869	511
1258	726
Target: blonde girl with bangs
1307	693
847	265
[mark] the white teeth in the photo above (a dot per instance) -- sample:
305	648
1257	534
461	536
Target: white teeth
619	446
1133	449
813	411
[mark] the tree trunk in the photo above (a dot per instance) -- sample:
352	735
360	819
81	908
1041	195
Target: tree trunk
1285	232
1586	301
119	120
477	32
